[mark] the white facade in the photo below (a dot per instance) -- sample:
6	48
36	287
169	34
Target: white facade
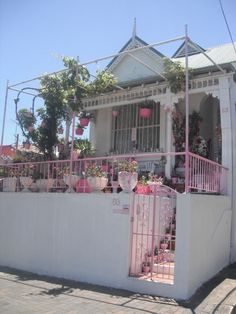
211	91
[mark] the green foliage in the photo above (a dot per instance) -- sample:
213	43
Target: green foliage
175	75
85	114
62	93
84	147
129	166
26	117
93	170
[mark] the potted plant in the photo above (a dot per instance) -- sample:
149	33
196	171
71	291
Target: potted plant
84	148
164	243
84	118
143	187
146	107
127	175
96	178
79	129
146	264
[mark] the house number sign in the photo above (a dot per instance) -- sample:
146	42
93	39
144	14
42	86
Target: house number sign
119	207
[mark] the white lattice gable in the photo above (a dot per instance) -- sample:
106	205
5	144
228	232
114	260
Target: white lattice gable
127	68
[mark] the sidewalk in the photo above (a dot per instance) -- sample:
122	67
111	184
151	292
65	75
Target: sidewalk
23	292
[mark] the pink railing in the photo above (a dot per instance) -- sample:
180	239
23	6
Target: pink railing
62	175
206	175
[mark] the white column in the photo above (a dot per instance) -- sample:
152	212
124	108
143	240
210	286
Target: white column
226	128
168	133
227	146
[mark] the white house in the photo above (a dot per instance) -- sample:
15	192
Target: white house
212	93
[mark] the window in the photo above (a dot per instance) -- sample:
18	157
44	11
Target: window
132	133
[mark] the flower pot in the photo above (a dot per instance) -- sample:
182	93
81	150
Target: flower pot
127	180
74	180
143	189
164	246
9	184
146	269
79	131
74	155
97	183
84	121
26	182
82	186
145	112
104	168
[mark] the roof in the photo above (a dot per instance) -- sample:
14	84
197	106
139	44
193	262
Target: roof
180	52
221	55
139	40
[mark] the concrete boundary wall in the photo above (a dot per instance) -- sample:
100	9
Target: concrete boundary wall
86	237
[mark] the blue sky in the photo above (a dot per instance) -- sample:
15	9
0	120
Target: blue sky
34	33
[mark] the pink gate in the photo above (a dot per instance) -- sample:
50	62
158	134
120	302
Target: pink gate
153	235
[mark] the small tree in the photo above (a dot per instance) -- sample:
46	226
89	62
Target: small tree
63	94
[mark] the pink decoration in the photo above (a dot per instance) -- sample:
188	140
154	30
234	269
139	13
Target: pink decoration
145	112
164	246
82	186
114	113
104	168
79	131
84	121
143	189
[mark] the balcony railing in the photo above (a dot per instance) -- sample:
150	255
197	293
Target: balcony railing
197	174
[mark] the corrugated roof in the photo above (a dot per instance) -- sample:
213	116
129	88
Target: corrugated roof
220	54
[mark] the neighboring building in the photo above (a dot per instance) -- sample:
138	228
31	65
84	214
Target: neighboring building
7	153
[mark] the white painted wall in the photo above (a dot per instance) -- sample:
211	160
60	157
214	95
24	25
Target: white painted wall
79	237
203	239
233	115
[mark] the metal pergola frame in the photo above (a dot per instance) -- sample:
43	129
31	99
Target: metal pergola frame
129	52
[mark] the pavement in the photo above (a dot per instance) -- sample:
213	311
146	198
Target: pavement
27	293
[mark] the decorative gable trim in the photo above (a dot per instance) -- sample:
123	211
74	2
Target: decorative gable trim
180	52
131	44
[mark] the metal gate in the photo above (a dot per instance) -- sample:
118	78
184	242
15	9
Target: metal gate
153	235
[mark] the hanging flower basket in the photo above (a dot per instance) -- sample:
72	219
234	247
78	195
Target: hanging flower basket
145	112
84	121
79	131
